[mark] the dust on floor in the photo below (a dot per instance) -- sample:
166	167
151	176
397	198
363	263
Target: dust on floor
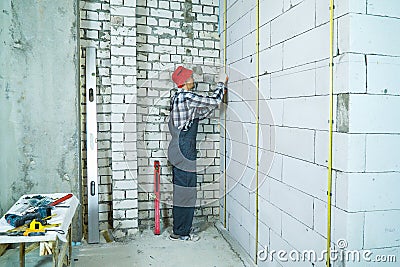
145	249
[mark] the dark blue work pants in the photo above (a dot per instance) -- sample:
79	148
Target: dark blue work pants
182	154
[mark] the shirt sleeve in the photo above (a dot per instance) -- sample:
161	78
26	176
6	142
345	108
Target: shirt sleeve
198	101
203	106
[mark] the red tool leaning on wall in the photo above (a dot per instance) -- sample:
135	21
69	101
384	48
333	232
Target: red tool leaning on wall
157	197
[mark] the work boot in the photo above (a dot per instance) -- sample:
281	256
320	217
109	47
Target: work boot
190	237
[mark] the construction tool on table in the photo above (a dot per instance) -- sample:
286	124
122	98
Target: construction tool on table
34	228
157	197
43	222
62	199
16	220
34	213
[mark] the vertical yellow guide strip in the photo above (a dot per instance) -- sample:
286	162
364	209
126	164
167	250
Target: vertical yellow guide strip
226	110
257	114
328	239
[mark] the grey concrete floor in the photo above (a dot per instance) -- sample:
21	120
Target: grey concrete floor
146	249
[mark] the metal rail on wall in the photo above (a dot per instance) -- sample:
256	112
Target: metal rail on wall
91	146
226	109
257	116
329	193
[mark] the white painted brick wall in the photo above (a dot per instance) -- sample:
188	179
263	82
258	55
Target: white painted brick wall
94	32
116	64
173	33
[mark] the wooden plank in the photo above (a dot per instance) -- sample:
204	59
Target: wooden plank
21	254
31	247
3	248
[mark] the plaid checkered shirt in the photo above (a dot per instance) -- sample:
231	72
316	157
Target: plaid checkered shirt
187	106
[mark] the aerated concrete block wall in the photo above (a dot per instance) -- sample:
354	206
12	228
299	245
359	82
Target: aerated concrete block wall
110	26
294	121
368	116
171	34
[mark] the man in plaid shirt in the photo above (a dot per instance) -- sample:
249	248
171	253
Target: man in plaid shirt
187	108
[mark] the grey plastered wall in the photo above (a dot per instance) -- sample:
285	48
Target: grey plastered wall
39	134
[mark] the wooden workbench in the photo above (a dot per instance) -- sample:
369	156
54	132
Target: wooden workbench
61	240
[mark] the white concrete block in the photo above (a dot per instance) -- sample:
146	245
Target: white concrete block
289	4
311	51
249	134
270	215
235	89
342	7
277	243
234	208
249	222
263	189
275	116
235	172
249	44
263	236
273	169
234	12
301	236
369	35
348	151
240	153
383	75
350	74
265	35
321	12
293	142
382	114
382	153
388	8
320	216
289	25
308	112
265	87
376	191
298	81
242	110
347	226
271	59
265	138
239	29
248	179
234	130
382	229
247	66
239	233
292	201
270	10
306	177
250	90
234	52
